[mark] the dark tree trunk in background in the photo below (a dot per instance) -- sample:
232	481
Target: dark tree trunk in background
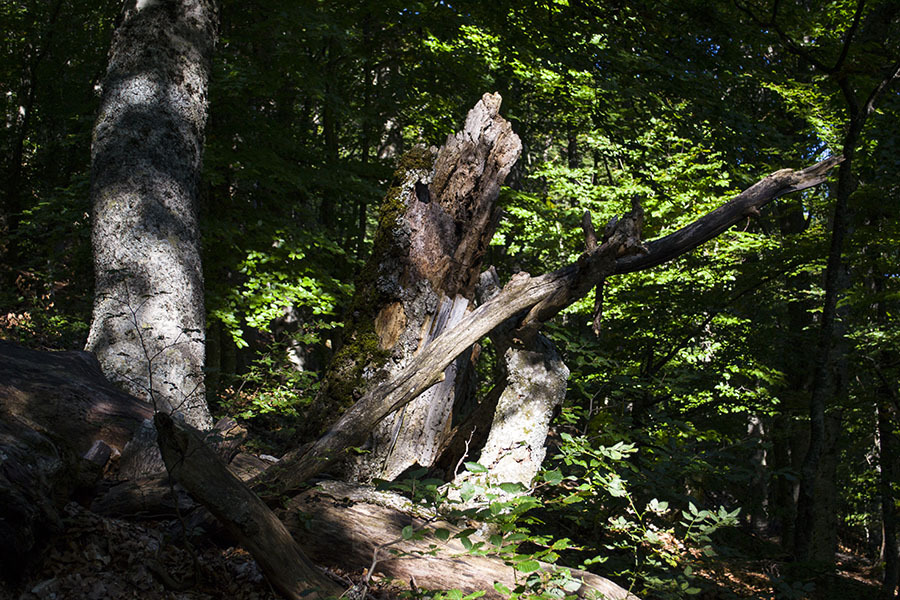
12	202
888	456
148	321
815	540
816	534
434	228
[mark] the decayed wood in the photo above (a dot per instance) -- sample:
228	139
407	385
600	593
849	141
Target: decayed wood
66	393
60	423
533	385
342	525
249	521
153	496
35	480
541	297
434	226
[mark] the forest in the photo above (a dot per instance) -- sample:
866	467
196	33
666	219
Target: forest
439	300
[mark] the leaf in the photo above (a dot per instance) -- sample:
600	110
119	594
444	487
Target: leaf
407	532
442	534
553	477
501	588
528	566
474	467
512	488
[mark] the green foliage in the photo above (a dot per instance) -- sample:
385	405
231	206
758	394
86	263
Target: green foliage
702	365
613	501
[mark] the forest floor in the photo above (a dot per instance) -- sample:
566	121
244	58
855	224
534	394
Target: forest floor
761	570
100	558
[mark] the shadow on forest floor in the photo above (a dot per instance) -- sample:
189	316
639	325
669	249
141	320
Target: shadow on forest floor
767	575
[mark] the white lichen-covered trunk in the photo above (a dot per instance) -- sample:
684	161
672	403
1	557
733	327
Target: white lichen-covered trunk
148	321
535	386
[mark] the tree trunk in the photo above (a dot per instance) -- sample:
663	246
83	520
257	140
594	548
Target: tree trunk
811	543
888	456
534	387
829	379
434	227
148	322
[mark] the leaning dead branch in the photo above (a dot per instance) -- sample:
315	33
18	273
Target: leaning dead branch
538	299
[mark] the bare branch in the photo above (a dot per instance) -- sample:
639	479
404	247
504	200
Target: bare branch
539	298
709	226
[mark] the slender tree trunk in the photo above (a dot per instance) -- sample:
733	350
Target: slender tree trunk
888	455
148	323
812	543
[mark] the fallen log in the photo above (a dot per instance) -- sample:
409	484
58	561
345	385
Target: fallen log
197	467
66	395
61	421
342	525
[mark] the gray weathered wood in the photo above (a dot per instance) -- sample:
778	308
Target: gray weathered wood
249	521
343	525
435	225
539	298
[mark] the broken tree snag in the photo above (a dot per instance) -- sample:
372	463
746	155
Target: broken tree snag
434	227
542	297
343	526
203	474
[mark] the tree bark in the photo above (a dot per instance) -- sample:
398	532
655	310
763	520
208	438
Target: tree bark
888	456
434	227
534	386
60	423
148	322
538	299
66	395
